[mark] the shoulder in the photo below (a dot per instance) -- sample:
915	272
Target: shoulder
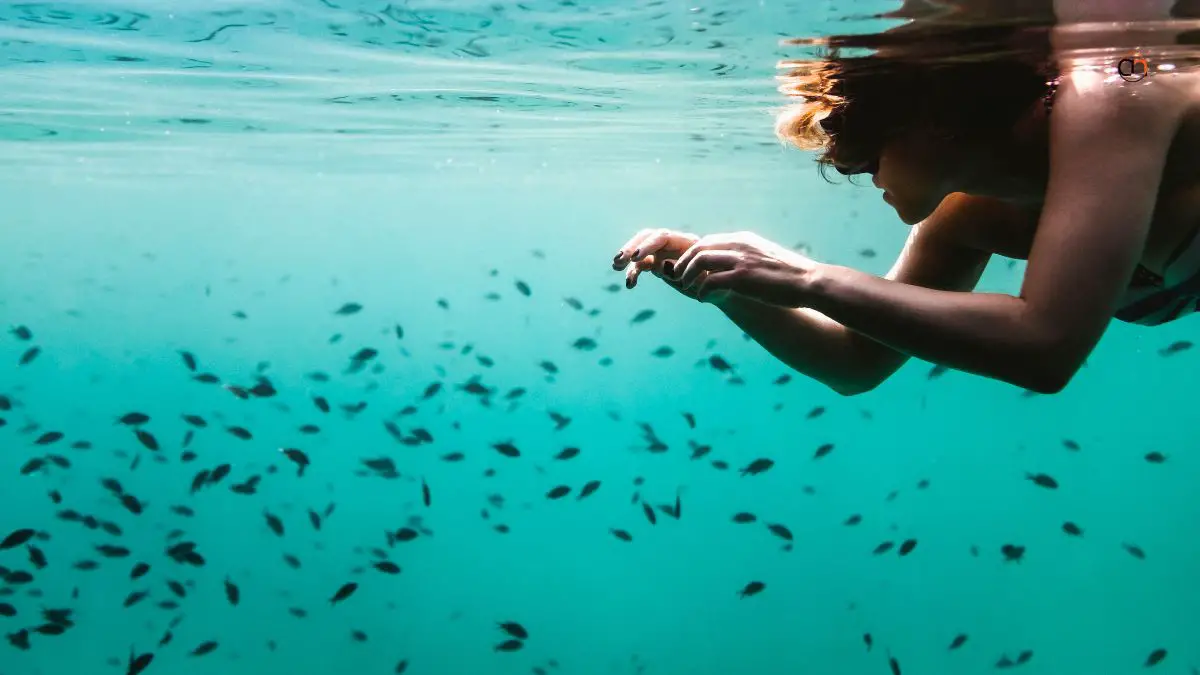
973	222
1089	102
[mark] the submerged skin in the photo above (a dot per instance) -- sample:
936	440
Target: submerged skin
1105	183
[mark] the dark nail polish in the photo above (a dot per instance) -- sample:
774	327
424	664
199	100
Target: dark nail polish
669	268
636	253
628	282
617	256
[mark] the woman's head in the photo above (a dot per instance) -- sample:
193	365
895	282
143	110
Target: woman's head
915	126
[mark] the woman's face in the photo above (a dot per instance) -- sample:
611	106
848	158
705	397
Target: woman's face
913	173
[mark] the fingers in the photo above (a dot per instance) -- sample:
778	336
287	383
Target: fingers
625	253
650	243
635	270
712	286
711	261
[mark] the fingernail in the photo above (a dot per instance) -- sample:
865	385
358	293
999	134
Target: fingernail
669	268
617	256
636	254
628	282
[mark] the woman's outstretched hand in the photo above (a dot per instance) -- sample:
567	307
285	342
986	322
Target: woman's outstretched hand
649	251
713	268
745	264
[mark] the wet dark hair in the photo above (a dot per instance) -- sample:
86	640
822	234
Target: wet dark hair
848	108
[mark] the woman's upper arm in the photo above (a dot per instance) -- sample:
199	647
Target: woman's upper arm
1109	143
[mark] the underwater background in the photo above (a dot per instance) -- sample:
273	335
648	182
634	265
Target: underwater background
378	237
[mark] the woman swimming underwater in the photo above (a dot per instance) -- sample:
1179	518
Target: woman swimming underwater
1090	176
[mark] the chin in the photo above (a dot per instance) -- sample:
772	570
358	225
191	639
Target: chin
907	216
911	214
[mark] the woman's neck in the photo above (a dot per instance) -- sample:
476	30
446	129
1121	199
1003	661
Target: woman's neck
1017	168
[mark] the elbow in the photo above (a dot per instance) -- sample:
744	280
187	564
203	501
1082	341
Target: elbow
1048	373
1046	383
855	387
1050	380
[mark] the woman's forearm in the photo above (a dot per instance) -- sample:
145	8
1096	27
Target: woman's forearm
987	334
815	345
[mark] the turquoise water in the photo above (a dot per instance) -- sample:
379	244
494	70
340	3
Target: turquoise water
169	185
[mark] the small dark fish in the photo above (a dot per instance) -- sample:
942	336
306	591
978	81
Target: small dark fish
139	570
298	458
405	534
401	666
344	592
823	450
744	517
958	641
425	496
509	646
110	551
274	523
189	360
1175	348
29	355
907	547
752	588
1072	529
883	547
348	309
240	432
643	316
779	531
1155	457
232	592
1156	657
48	438
558	492
514	629
853	520
138	663
147	439
19	639
17	538
621	534
1135	551
387	567
1043	480
133	419
567	453
134	598
523	288
507	449
757	466
587	489
33	466
649	513
868	640
1012	552
894	665
22	333
205	648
